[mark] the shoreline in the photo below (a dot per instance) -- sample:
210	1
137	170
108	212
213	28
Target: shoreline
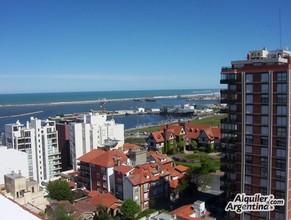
215	94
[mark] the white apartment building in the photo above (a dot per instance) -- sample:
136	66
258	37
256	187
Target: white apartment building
93	133
39	139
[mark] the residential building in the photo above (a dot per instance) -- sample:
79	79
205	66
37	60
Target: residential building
8	156
92	133
145	182
256	133
39	139
63	128
96	169
25	192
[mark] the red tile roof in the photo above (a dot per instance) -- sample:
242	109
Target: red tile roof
159	157
186	211
158	136
123	169
104	199
181	168
104	158
175	128
128	146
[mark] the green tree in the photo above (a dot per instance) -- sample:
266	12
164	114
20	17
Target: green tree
193	145
129	209
207	165
59	213
60	190
181	146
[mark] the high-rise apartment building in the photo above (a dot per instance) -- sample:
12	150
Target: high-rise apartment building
256	134
92	133
39	139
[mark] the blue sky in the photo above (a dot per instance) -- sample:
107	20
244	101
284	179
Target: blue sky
101	45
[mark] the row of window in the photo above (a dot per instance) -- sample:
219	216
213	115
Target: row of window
264	99
279	76
280	88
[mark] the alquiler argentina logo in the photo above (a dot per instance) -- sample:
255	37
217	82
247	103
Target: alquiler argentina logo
258	202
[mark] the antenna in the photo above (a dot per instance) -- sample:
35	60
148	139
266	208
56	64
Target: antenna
280	29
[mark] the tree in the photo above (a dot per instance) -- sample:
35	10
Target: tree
181	146
59	190
130	209
193	145
101	213
59	213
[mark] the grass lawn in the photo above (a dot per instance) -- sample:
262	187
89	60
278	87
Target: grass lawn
136	140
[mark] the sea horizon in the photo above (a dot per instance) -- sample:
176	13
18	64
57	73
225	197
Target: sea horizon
56	98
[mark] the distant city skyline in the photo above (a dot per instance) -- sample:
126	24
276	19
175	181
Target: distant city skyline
68	45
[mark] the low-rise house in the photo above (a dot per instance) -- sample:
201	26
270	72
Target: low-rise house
96	169
196	211
210	136
25	192
158	157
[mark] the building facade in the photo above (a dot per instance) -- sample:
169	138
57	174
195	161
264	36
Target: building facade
256	133
39	139
91	133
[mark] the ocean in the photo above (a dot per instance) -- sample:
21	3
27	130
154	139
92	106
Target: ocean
45	105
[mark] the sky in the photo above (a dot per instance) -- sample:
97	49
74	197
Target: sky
113	45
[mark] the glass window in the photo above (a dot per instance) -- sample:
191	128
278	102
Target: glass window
249	169
280	185
281	88
248	180
249	139
280	174
249	98
249	149
249	129
264	120
249	159
265	109
281	164
281	153
281	142
249	109
281	132
264	99
249	88
282	99
264	130
264	161
249	119
264	171
264	88
249	77
264	182
264	151
264	141
281	121
248	189
281	76
264	77
281	110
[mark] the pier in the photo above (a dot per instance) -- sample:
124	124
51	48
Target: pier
18	115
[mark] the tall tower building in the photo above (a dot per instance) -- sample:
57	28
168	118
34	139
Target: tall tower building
39	139
256	135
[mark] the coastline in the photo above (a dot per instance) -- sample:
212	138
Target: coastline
215	94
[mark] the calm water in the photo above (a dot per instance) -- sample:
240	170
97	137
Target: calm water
128	121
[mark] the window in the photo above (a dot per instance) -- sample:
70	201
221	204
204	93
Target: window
264	182
263	192
98	175
249	77
248	180
281	164
281	76
264	88
249	149
249	119
264	151
264	130
265	109
249	159
264	99
264	161
249	108
249	139
281	153
264	120
249	98
264	141
282	88
281	142
281	110
280	185
281	99
248	189
264	172
281	132
249	129
280	174
264	77
281	121
249	169
249	88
